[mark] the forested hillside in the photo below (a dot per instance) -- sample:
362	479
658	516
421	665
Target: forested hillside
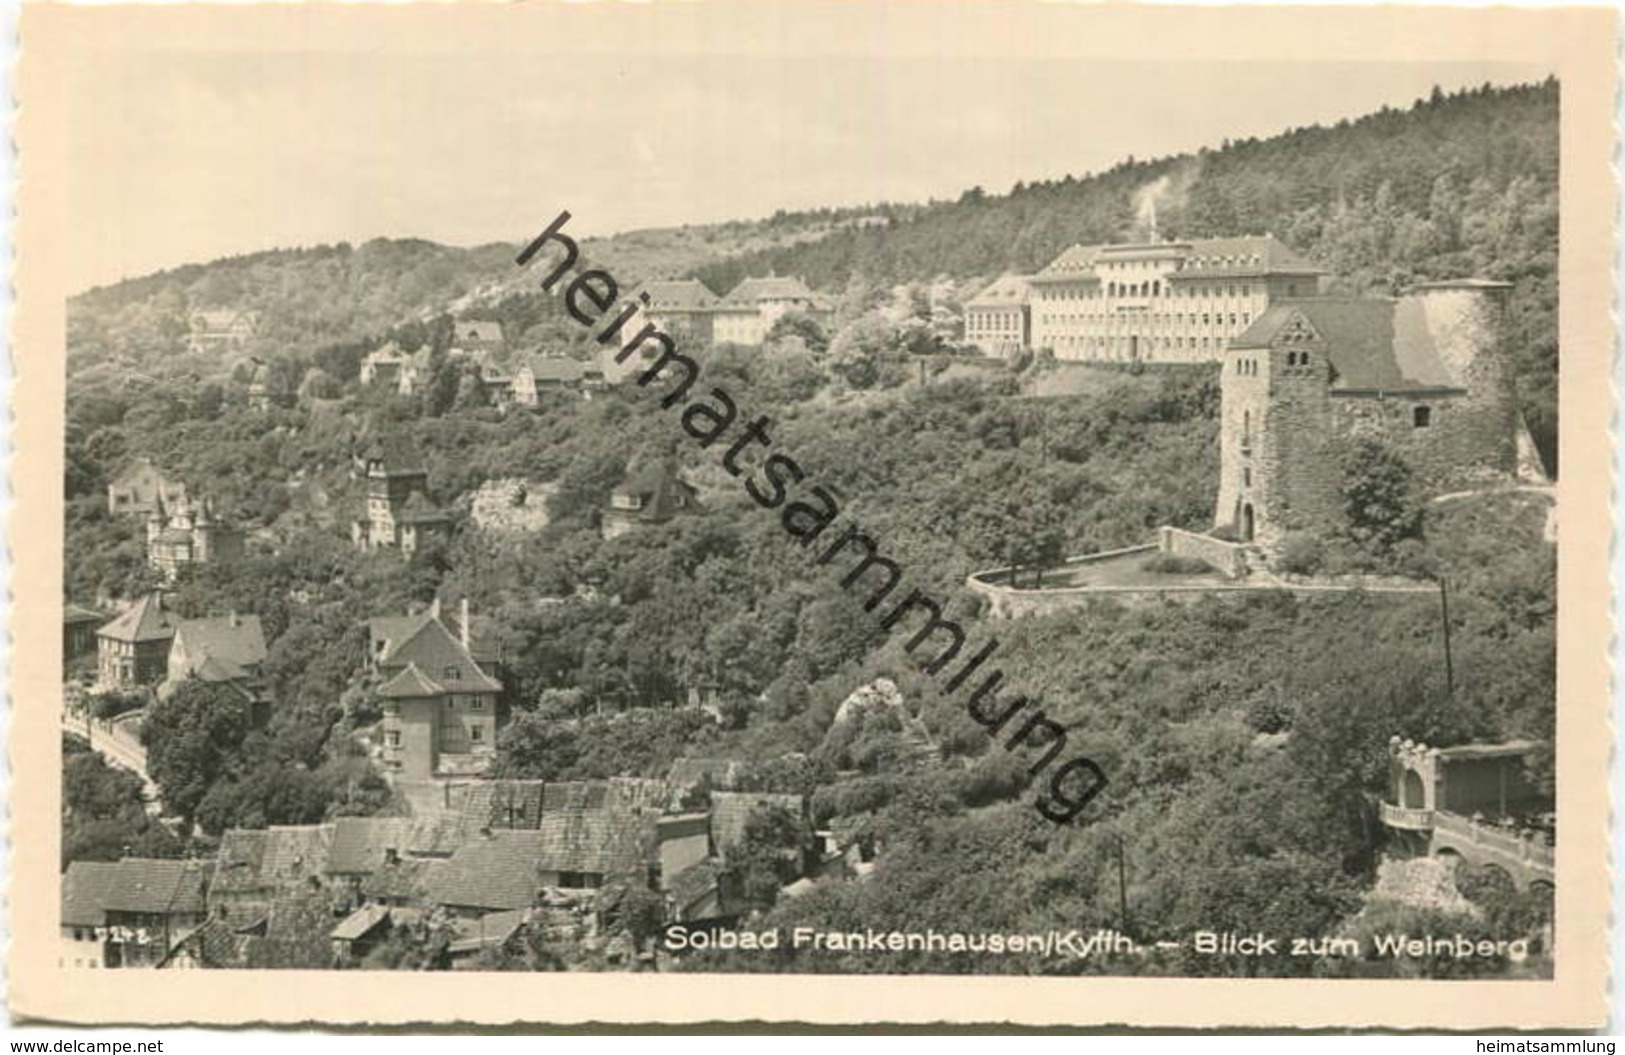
311	298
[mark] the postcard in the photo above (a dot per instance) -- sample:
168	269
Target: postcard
813	513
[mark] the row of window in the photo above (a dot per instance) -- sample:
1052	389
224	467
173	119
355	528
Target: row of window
1156	288
476	733
1150	344
1139	322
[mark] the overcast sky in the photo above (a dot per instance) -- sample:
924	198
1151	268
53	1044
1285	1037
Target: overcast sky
243	140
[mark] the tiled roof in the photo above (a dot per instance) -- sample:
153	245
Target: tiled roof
495	870
436	835
360	844
411	684
601	826
237	862
393	631
235	643
1078	261
1237	257
295	853
85	891
146	620
686	294
751	291
1008	290
156	886
1373	344
407	880
439	656
295	933
503	804
731	811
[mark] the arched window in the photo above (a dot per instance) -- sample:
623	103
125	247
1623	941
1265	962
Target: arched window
1246	428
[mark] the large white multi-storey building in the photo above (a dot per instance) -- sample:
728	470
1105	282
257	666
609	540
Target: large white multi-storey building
1174	302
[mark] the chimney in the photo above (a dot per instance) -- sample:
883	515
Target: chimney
463	611
434	607
233	618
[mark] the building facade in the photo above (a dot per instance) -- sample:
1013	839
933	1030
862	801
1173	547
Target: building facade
390	367
998	320
188	532
398	513
747	314
222	650
652	494
1425	375
1161	302
439	703
221	330
132	651
141	488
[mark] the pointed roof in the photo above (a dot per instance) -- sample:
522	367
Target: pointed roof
156	886
658	483
145	620
1077	262
1250	256
86	887
496	870
411	684
426	641
361	845
1372	343
217	649
751	291
1007	291
687	294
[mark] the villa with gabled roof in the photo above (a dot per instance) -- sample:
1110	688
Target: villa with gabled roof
439	703
133	649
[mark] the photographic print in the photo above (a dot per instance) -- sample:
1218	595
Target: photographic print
865	513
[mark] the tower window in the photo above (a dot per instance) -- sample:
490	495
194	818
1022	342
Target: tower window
1421	417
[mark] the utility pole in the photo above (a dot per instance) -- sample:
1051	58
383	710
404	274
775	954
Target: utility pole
1449	659
1122	889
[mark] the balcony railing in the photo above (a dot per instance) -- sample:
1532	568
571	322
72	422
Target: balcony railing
1518	844
1413	820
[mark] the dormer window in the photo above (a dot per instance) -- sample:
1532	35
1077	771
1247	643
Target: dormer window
451	673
